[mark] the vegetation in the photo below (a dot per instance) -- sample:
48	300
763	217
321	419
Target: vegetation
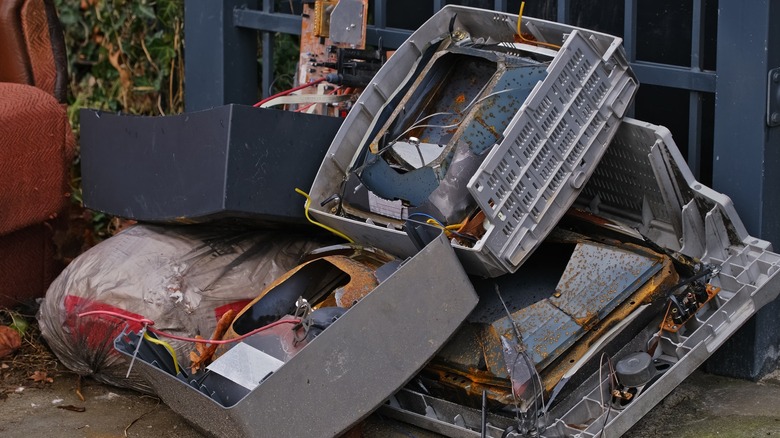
128	56
124	55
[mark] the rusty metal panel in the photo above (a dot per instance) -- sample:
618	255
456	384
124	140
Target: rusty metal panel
546	332
598	278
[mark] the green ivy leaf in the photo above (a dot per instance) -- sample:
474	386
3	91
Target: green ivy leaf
147	11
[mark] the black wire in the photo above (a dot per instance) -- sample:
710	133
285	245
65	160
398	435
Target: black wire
604	427
452	23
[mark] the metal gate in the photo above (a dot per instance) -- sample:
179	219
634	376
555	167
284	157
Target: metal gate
709	69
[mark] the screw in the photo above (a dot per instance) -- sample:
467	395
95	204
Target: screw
458	35
775	118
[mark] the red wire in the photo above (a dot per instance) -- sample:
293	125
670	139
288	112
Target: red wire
291	90
144	321
227	341
149	323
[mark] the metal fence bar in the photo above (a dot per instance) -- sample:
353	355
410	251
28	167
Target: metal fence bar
629	37
742	168
747	161
563	11
500	5
220	63
267	42
666	75
391	38
268	21
437	5
380	14
694	100
648	72
629	29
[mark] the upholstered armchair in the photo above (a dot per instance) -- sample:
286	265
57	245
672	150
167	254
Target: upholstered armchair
36	146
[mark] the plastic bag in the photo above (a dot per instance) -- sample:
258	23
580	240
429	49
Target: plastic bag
184	278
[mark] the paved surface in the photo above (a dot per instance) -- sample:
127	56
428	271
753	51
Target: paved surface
703	406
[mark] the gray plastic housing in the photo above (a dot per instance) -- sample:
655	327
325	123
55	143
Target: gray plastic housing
544	156
644	183
348	362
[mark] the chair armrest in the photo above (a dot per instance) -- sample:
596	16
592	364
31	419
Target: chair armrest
36	149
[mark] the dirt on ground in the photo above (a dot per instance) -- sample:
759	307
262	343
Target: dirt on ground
39	398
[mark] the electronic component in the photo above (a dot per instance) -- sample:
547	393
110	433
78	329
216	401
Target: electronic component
683	307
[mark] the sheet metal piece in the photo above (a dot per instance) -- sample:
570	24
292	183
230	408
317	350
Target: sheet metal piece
347	23
651	293
598	278
591	294
546	332
364	357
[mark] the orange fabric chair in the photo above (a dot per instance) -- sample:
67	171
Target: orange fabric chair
36	146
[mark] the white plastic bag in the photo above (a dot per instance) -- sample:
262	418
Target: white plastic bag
184	278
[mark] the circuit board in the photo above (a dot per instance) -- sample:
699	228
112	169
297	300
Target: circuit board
318	45
673	323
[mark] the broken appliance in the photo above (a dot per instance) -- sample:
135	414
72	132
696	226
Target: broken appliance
657	271
482	124
377	345
490	144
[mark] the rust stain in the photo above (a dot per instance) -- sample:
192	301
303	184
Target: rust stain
489	128
361	281
589	320
652	290
471	383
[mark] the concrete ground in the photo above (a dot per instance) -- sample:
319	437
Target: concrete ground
703	406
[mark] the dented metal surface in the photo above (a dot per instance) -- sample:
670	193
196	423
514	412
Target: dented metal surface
599	277
652	292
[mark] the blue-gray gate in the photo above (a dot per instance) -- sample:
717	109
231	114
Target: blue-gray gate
710	72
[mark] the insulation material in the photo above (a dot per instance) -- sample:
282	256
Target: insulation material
182	278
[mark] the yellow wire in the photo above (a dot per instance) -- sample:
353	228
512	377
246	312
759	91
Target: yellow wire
167	347
435	223
520	33
456	227
520	19
447	230
306	212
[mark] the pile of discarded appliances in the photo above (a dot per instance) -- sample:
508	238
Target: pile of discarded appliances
521	260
